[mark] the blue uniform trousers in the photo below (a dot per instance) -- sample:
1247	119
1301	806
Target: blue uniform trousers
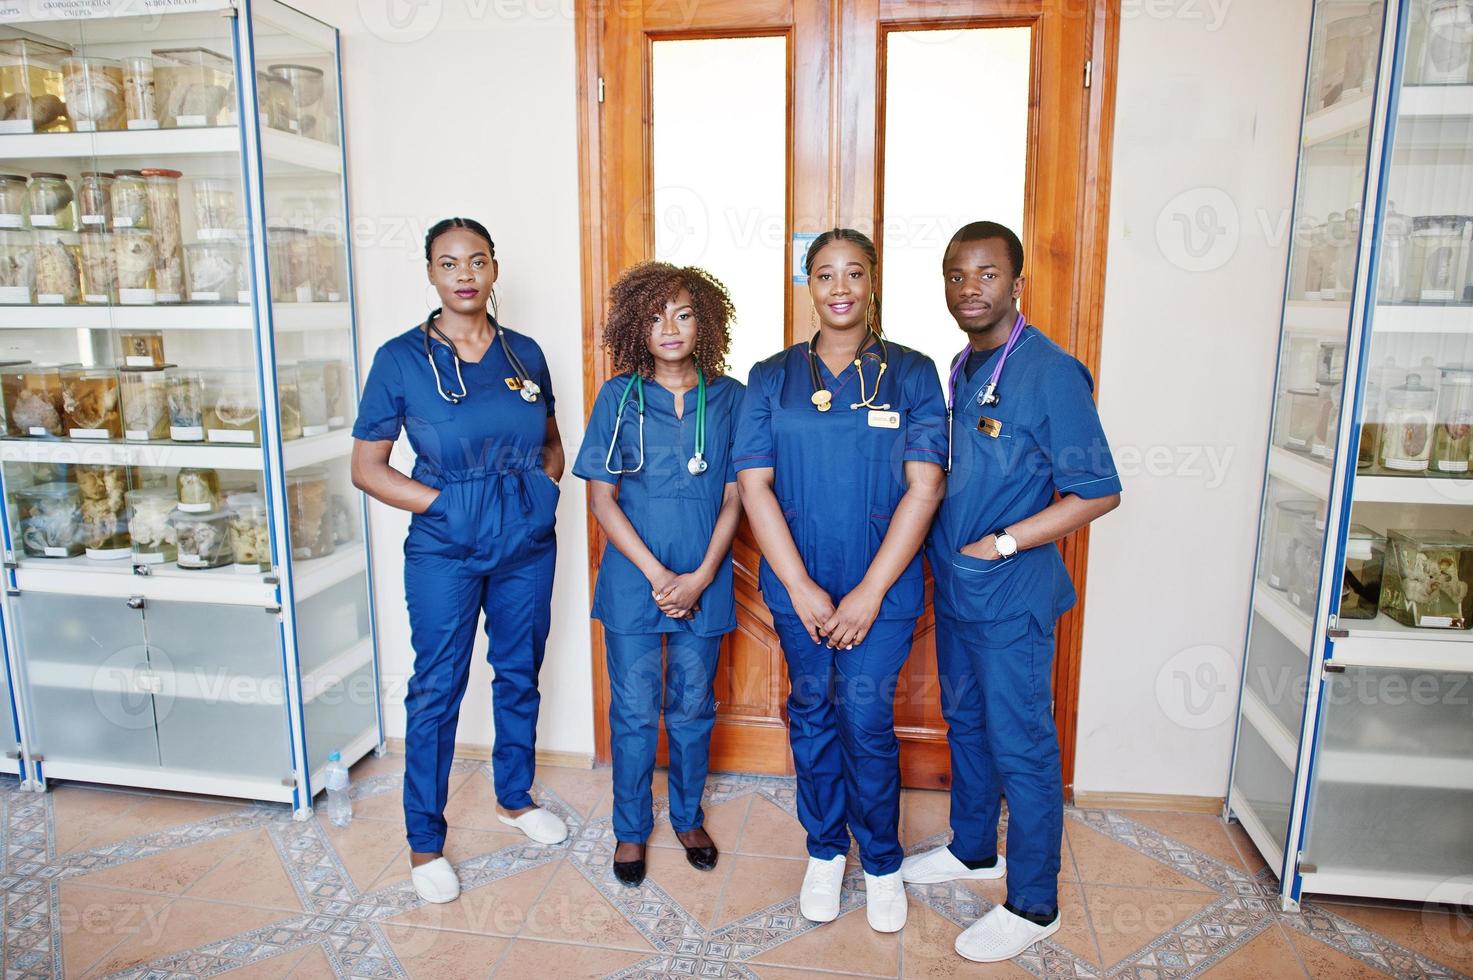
841	725
446	597
996	694
639	681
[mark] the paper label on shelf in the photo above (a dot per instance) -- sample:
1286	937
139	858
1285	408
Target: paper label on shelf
15	294
50	299
148	557
1438	296
108	554
12	221
167	297
187	433
215	234
94	219
122	221
334	297
304	294
143	124
54	552
194	509
250	569
10	127
204	296
337	422
1436	622
190	121
1452	466
314	430
1273	580
241	436
20	11
187	560
136	435
244	296
39	430
87	433
137	297
140	360
83	125
97	298
49	221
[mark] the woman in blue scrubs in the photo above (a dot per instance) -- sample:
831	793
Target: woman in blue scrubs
657	456
839	454
476	402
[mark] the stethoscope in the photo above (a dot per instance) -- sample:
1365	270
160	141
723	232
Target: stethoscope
823	399
522	383
987	394
696	465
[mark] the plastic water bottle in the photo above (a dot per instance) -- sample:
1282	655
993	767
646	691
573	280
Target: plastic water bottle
339	805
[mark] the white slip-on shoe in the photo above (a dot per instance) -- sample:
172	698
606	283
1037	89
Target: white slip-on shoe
435	882
543	826
884	902
1001	935
939	864
822	882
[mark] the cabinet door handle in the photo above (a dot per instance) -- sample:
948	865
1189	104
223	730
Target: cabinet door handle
135	602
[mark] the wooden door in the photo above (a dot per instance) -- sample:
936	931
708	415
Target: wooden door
825	140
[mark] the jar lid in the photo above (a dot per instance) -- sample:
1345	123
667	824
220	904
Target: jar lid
143	368
45	175
302	68
120	172
161	172
1457	374
1413	383
11	364
1432	539
309	474
106	174
47	367
181	516
15	177
285	230
151	493
55	489
92	372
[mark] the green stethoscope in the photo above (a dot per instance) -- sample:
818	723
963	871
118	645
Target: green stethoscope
696	465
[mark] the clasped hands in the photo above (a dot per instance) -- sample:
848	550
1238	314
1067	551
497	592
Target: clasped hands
679	596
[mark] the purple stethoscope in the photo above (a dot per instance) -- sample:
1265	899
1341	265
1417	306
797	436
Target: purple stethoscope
988	393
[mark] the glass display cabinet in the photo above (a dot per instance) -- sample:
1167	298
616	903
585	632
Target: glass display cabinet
1353	763
188	600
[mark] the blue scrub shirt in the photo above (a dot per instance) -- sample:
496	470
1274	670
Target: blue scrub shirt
674	512
838	477
484	454
1051	442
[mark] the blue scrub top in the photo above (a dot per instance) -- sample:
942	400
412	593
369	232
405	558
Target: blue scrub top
1051	441
484	454
837	477
674	512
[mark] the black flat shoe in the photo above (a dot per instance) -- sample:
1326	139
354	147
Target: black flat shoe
702	858
630	873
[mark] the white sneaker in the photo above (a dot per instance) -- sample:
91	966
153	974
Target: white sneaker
1001	935
543	826
822	882
939	864
884	902
435	882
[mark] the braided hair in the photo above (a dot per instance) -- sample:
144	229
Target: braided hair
865	245
447	224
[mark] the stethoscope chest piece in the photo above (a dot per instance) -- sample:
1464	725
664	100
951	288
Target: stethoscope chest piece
823	400
530	390
697	464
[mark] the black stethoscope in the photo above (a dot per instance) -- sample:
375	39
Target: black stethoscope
823	399
696	465
987	394
522	383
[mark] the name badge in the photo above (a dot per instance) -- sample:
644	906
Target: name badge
883	420
991	428
515	384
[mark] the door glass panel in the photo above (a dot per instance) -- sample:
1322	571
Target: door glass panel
720	152
943	169
88	679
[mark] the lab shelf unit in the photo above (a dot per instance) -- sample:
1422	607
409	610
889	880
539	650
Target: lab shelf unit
121	665
1352	766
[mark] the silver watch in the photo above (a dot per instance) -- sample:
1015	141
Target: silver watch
1006	545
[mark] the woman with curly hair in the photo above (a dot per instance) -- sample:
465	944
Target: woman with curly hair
657	456
839	450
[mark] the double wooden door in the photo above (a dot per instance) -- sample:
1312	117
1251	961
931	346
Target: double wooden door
718	133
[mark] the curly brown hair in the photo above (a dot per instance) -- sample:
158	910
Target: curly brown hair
642	291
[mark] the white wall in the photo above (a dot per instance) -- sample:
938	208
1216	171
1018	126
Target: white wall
1206	126
470	109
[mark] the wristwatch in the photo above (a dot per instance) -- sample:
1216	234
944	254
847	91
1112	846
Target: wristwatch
1006	546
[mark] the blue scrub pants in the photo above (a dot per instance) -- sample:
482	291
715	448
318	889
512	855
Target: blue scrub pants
841	725
446	597
638	681
996	693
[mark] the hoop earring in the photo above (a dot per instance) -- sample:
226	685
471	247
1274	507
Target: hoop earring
813	318
869	314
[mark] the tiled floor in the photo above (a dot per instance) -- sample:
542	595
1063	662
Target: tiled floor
110	883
